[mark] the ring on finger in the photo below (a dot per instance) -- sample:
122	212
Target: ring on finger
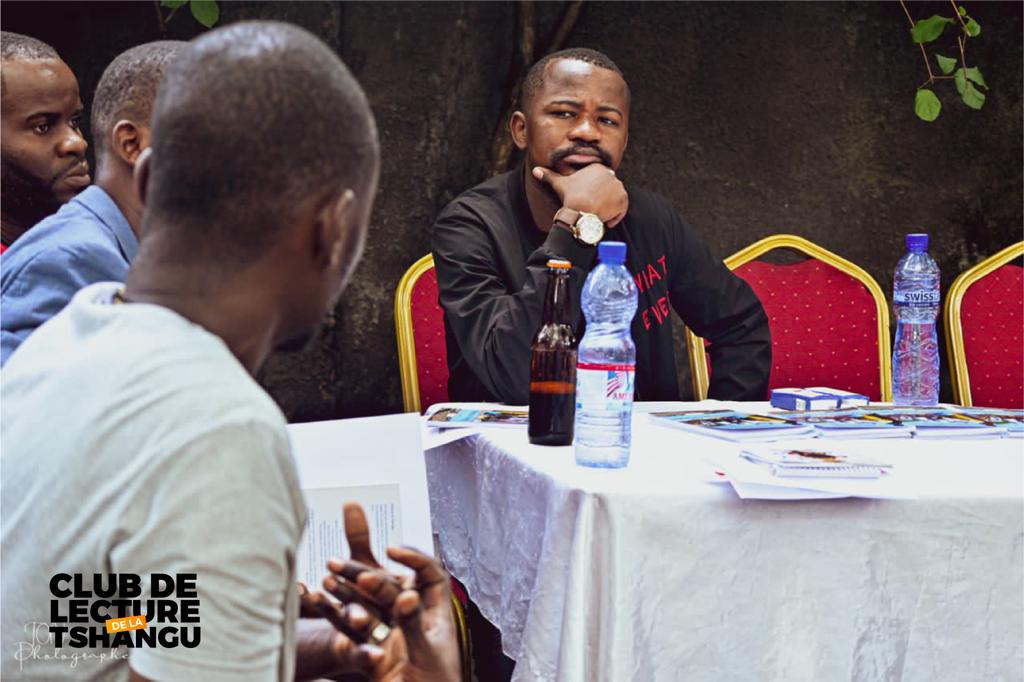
379	633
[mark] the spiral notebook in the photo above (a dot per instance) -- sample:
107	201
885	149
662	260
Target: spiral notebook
814	463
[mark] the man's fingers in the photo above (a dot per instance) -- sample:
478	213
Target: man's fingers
309	603
380	586
545	175
427	569
356	658
408	612
431	579
357	531
352	594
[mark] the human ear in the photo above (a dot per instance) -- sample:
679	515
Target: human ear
517	127
128	140
141	173
334	219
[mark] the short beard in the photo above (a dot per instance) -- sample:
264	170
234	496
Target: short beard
26	198
559	155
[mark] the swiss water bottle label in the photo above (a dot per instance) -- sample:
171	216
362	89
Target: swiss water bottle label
604	387
916	297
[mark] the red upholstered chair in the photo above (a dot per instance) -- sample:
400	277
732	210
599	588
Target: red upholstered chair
984	316
423	367
829	321
419	325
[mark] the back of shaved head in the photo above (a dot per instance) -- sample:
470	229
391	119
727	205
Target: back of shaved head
128	87
25	48
254	124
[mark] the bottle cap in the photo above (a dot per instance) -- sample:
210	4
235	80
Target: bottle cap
559	264
917	242
611	252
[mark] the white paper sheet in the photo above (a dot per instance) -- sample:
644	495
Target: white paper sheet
375	461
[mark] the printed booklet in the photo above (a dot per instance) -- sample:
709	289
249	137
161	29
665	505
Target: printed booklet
733	425
449	416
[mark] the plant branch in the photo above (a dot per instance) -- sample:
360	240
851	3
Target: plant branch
161	24
924	54
956	13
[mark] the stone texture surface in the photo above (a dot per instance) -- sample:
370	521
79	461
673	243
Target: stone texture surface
754	118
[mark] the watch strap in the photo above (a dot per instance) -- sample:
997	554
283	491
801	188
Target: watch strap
566	217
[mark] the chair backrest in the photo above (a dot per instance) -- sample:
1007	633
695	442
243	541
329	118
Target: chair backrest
829	321
419	327
984	316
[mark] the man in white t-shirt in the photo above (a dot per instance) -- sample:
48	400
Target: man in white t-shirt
141	461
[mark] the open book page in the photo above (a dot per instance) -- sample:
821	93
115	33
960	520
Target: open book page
325	526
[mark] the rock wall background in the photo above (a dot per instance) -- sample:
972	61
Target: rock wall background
754	118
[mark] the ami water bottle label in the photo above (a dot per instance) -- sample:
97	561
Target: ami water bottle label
604	387
916	298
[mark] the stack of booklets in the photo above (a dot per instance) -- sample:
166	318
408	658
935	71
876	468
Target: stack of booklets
1011	420
733	425
450	416
887	422
941	422
851	423
814	463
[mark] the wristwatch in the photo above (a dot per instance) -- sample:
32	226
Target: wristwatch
587	228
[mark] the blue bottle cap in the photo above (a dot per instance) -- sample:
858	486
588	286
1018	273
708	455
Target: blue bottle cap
917	242
612	252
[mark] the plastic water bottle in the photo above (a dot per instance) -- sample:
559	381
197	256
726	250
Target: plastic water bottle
606	362
915	356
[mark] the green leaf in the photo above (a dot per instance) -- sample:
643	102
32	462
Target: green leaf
962	11
973	97
975	75
173	4
927	105
206	12
946	64
961	81
973	28
927	30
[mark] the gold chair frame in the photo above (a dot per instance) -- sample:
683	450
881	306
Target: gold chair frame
954	326
695	344
405	335
411	403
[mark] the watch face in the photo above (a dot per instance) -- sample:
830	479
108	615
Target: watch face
590	227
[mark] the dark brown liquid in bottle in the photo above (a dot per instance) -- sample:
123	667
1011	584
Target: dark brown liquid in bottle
553	368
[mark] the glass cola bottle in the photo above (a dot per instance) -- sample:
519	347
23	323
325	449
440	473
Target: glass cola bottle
553	364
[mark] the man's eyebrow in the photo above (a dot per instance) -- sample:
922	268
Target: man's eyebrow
608	107
566	102
43	114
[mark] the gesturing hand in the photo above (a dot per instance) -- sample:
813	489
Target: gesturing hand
593	189
422	648
332	648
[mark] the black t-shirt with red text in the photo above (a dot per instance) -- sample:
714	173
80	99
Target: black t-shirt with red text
491	265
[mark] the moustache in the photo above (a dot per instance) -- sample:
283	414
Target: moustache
559	155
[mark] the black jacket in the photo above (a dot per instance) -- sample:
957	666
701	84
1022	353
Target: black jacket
491	272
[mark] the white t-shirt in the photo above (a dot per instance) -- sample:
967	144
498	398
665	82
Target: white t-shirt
133	442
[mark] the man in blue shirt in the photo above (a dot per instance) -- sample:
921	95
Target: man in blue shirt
94	237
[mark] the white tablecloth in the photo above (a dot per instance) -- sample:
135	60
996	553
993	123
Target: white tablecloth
653	573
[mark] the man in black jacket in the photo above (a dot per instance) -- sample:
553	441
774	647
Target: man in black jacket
491	245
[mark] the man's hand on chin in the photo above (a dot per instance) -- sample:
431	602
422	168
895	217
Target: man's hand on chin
592	189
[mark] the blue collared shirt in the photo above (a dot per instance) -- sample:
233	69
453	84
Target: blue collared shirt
88	240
